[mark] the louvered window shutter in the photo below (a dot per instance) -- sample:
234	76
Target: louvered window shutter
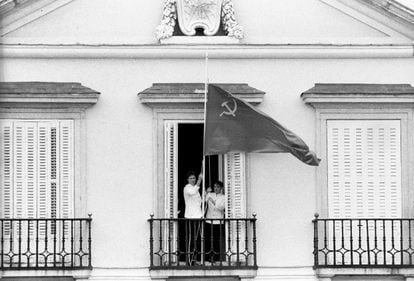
364	181
171	158
169	229
6	168
235	192
235	185
37	169
364	168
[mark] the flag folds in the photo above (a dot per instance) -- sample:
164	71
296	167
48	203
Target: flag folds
234	125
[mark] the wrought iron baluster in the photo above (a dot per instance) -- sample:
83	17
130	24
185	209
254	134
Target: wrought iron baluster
392	242
28	244
222	241
20	244
315	241
46	244
343	241
151	221
37	243
54	241
246	242
376	242
72	246
325	241
89	222
384	242
254	240
352	242
11	242
360	242
81	222
238	241
63	247
201	224
169	242
401	242
161	242
368	238
229	241
410	245
2	244
334	241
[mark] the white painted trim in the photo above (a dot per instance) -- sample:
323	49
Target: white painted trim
21	16
381	15
161	115
218	52
253	40
366	18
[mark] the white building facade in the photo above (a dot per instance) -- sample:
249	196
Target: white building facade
101	116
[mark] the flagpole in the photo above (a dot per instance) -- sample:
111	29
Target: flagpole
204	131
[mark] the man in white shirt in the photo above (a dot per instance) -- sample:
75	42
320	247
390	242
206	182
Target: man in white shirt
192	199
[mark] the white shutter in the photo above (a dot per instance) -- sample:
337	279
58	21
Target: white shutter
364	181
235	185
6	168
235	192
171	158
364	168
44	207
37	169
171	186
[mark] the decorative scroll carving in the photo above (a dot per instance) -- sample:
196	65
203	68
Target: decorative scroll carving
193	14
169	16
230	24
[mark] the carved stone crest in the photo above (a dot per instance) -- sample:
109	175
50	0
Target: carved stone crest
193	14
204	14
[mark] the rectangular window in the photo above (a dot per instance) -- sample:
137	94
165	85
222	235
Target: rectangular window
183	152
37	163
364	168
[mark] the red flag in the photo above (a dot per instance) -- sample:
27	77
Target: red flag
234	125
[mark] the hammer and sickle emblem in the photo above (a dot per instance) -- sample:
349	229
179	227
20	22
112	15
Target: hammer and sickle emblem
230	111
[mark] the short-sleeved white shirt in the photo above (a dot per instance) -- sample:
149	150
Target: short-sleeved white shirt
192	200
215	211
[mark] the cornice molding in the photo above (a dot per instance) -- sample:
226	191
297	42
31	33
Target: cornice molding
217	52
329	95
13	19
182	94
383	15
46	95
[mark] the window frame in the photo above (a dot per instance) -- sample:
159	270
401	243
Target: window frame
404	116
54	101
351	101
184	102
79	177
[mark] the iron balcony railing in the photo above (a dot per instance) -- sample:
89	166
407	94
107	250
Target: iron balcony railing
363	242
178	243
45	243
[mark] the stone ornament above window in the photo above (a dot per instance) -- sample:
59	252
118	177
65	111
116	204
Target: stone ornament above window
194	14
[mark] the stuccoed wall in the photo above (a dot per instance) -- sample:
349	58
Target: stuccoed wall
120	143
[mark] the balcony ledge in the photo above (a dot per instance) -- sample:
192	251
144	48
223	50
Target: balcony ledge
57	273
168	273
366	271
